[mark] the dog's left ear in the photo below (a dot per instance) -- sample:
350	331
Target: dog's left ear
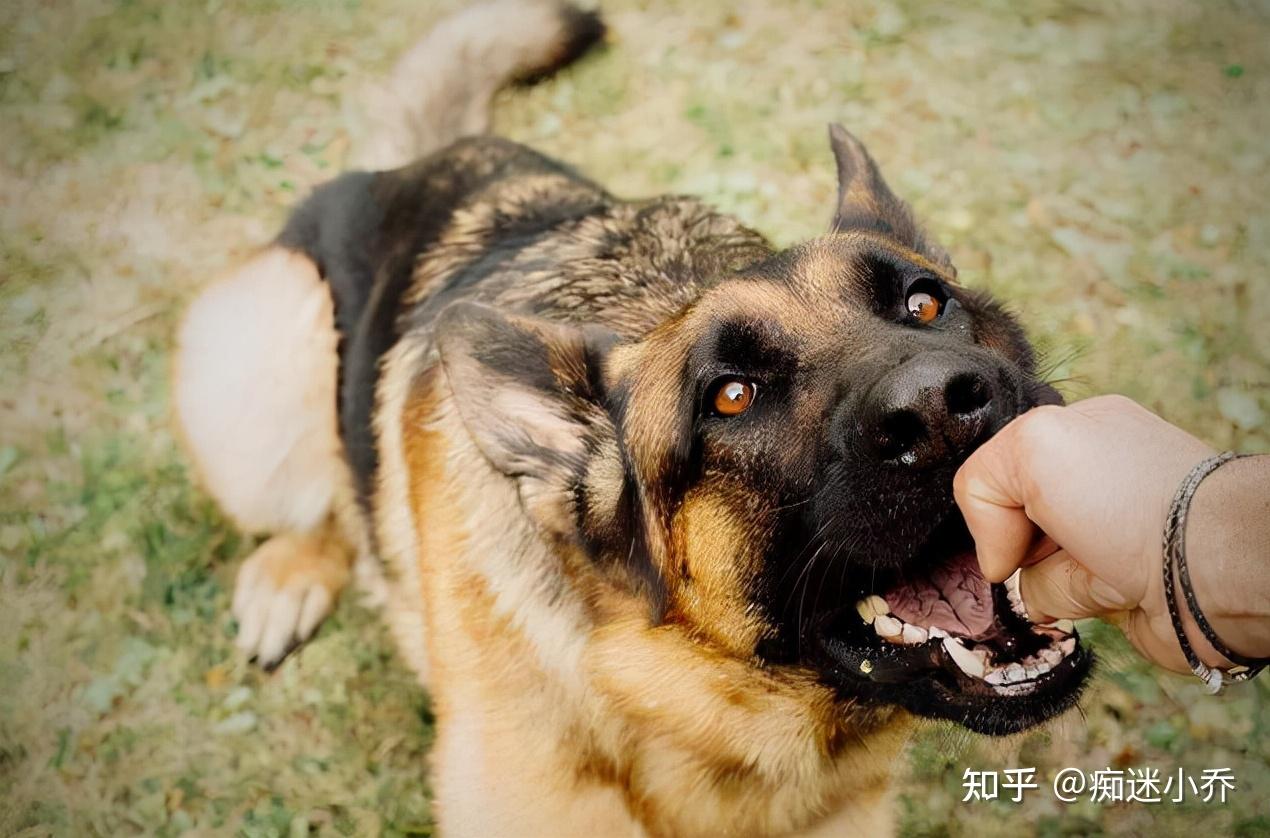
530	394
865	202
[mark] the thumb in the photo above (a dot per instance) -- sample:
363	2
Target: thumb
1058	587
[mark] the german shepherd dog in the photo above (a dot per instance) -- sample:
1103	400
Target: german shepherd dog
661	516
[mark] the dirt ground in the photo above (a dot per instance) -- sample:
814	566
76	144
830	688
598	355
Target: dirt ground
1103	167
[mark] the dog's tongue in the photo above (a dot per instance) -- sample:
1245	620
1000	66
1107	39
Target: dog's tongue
955	597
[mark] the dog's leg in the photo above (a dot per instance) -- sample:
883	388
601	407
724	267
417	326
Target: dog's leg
284	590
255	398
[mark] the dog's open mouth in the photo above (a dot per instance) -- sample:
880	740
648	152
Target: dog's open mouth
947	643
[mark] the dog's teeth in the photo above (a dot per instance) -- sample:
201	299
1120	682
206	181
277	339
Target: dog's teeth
887	626
995	677
914	634
1015	672
1016	689
966	660
1013	595
1068	646
1031	672
936	631
1065	626
1051	656
872	606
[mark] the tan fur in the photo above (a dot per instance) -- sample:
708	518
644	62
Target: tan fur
719	550
441	88
286	587
254	392
395	529
498	655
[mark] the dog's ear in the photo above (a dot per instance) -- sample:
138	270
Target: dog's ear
529	391
865	202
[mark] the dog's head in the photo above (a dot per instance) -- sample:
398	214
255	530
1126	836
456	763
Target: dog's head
771	468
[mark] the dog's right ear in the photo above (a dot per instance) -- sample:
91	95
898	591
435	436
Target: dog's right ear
530	393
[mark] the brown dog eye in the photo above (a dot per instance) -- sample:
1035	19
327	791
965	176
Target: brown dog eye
733	396
923	306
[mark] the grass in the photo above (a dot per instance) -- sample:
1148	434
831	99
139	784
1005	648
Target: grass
1101	167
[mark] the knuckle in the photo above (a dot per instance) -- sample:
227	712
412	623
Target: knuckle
1040	428
1035	429
1111	404
1122	402
1038	446
1043	417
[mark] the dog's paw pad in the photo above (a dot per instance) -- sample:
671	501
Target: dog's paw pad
284	591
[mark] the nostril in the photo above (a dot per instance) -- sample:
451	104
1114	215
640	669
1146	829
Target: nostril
966	393
898	432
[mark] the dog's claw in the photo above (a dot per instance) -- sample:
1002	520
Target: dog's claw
284	591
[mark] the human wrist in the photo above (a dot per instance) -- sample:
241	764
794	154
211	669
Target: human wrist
1227	548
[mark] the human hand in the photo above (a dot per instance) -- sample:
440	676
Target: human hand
1077	497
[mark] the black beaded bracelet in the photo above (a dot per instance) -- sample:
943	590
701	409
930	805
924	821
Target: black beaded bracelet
1175	568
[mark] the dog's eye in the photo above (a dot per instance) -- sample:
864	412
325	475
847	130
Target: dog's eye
732	395
924	302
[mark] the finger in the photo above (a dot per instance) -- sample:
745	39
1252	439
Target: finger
1058	588
986	491
1042	548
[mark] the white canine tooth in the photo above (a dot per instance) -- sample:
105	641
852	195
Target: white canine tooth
936	631
1015	672
878	605
864	610
887	626
966	660
1013	595
1068	646
914	634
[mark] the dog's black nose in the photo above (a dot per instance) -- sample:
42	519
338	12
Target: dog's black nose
932	409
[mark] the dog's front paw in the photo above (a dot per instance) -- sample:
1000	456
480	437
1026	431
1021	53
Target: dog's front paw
284	591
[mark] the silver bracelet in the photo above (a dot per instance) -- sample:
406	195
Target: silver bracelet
1175	570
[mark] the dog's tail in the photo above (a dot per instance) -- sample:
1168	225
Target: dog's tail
441	88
